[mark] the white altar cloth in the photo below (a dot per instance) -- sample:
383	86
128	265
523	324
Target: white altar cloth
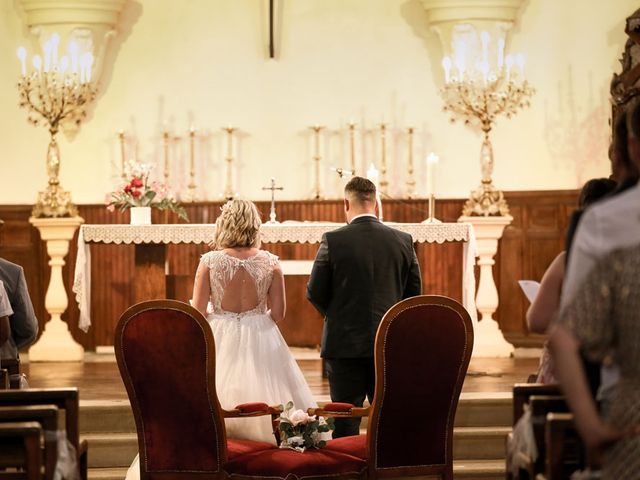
296	232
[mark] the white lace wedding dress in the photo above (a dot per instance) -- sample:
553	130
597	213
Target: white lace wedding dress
253	362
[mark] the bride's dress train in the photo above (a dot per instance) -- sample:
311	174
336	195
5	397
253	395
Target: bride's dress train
253	362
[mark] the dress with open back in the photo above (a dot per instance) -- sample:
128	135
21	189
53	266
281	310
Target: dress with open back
253	362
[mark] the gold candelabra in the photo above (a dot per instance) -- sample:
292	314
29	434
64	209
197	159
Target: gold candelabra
384	183
317	194
55	93
228	190
166	137
478	98
411	181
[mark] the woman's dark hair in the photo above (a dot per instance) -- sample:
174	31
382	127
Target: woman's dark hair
594	190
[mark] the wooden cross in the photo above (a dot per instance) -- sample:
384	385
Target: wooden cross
273	188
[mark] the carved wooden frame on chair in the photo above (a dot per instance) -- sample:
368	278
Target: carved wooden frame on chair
47	417
66	399
375	470
240	411
26	436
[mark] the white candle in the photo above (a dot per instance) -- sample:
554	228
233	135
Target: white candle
64	64
432	160
55	41
372	174
37	63
22	55
484	38
509	62
47	56
500	53
446	64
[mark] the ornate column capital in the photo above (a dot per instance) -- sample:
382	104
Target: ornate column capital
457	11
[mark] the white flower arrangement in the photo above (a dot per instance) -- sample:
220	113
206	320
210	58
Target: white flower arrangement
299	430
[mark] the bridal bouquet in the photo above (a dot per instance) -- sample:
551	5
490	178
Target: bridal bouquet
299	430
140	192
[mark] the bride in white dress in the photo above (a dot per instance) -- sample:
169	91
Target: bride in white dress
245	287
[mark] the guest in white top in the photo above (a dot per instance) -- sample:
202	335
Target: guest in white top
609	225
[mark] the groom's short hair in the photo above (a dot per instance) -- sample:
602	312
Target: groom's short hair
360	189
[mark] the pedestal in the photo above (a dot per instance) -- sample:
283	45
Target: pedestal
55	343
489	341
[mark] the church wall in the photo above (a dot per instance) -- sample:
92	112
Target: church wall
204	63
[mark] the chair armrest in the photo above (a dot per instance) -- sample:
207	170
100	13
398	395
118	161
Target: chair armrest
337	409
254	409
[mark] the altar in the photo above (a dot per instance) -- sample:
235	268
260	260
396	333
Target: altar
151	268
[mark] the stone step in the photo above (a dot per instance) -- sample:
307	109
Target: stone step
462	470
474	410
479	443
469	443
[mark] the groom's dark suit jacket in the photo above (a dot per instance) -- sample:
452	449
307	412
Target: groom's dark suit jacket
360	271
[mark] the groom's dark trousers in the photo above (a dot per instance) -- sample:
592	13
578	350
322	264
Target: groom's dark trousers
360	271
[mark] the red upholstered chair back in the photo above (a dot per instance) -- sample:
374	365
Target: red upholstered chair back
422	352
166	356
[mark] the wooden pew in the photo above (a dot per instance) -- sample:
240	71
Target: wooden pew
24	439
47	417
66	399
565	451
541	405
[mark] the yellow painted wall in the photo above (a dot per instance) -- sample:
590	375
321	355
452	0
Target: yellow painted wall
204	62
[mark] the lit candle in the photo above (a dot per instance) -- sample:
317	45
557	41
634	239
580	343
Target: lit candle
47	56
432	160
446	64
509	63
484	38
22	55
500	53
64	64
37	62
55	41
372	174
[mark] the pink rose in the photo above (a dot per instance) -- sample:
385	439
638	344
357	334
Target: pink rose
299	417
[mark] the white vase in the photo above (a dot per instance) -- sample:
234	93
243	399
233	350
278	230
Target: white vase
140	215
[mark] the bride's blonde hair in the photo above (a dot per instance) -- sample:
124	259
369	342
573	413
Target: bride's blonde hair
238	225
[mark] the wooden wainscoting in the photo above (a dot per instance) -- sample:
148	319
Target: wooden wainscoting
528	246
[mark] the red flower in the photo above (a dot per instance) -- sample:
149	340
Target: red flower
136	183
127	189
135	193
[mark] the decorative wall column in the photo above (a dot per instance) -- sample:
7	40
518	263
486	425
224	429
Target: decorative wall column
56	343
489	340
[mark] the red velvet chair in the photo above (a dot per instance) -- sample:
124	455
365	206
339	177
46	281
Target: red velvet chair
166	356
422	352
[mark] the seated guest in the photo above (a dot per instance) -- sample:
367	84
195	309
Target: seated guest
545	306
5	312
602	320
23	322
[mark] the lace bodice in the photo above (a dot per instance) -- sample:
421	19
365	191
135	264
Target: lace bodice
225	269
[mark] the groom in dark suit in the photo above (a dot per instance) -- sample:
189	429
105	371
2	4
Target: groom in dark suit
360	271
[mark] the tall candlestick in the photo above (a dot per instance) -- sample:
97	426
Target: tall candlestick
411	181
167	139
228	191
352	146
123	159
192	165
383	159
316	158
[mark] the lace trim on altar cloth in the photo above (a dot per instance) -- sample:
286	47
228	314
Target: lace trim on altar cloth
297	232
